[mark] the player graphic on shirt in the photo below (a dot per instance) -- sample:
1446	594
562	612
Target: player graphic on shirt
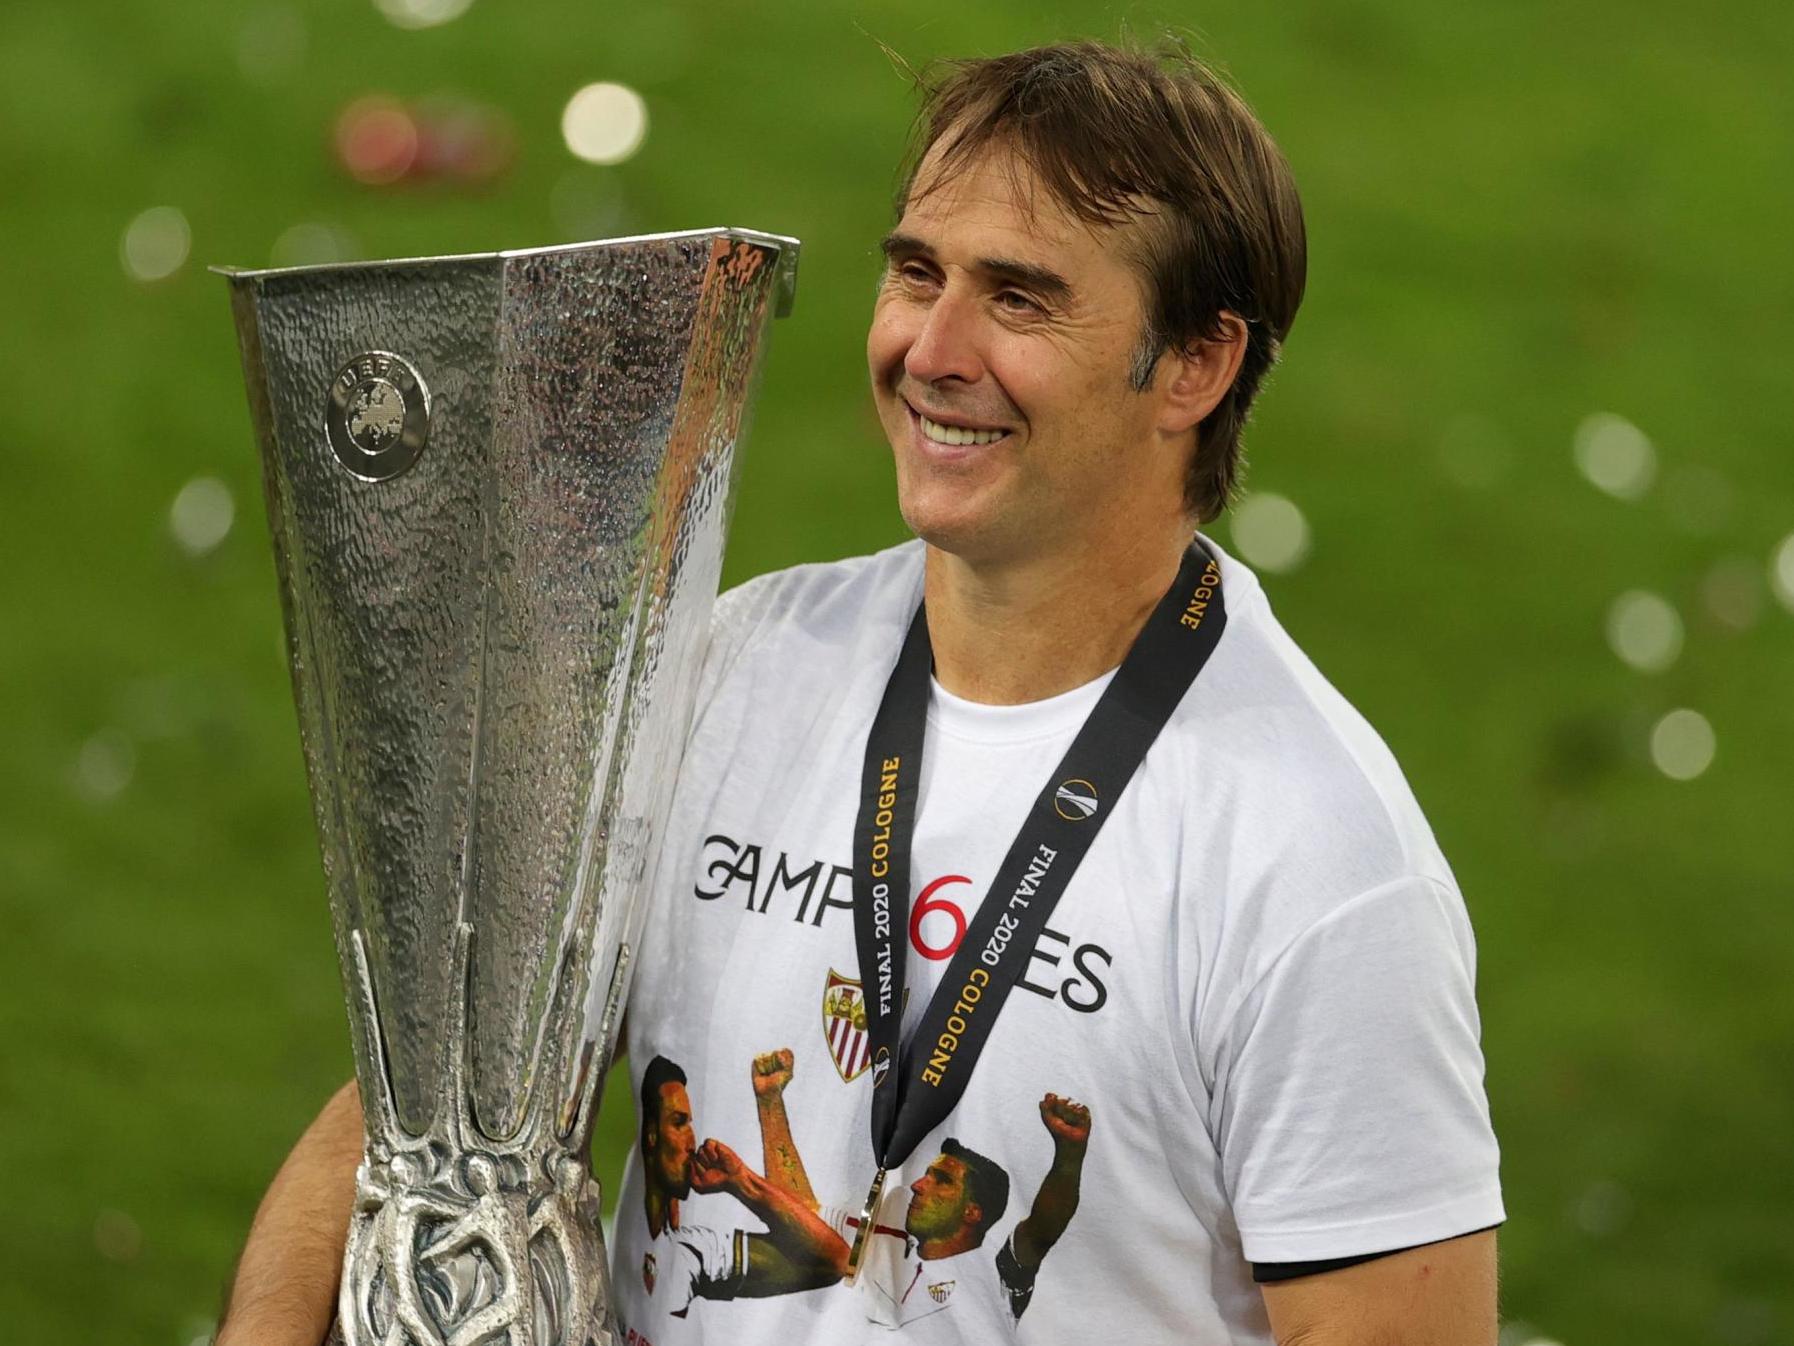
939	1253
684	1261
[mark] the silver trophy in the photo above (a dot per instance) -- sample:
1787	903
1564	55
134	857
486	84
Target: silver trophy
498	486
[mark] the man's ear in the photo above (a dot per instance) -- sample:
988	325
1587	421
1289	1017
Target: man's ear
1192	381
973	1213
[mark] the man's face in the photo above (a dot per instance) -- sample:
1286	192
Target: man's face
938	1204
671	1143
1003	315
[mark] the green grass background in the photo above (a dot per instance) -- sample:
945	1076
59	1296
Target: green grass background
1520	214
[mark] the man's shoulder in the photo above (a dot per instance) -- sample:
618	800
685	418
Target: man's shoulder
1299	766
889	574
807	611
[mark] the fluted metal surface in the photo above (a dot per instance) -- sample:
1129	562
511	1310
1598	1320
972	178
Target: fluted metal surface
498	487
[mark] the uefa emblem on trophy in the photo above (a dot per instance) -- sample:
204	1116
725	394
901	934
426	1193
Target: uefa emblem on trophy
498	487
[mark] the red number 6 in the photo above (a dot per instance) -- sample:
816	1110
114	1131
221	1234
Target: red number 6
927	902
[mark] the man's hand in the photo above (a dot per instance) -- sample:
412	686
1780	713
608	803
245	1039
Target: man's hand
716	1168
772	1072
1067	1119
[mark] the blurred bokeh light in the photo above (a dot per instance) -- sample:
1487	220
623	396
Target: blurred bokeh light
1644	630
1270	532
605	123
1615	455
310	243
201	515
1683	744
381	140
1781	572
376	140
155	243
104	766
422	13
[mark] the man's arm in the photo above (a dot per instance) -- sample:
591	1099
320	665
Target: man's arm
1068	1122
285	1287
798	1251
1442	1294
778	1151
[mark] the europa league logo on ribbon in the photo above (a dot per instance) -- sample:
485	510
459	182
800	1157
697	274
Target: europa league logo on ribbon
498	487
1075	800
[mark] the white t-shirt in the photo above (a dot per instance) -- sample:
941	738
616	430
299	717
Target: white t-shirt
675	1267
1259	982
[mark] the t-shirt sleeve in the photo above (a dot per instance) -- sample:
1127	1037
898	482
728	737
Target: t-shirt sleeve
1349	1104
1017	1280
715	1262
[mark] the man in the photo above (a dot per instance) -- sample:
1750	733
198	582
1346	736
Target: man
938	1254
1260	969
681	1261
919	1261
937	1258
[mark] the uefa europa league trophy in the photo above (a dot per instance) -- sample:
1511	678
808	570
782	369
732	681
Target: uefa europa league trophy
498	486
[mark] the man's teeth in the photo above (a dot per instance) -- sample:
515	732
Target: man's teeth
954	434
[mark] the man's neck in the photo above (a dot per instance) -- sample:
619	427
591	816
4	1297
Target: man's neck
1033	628
662	1212
961	1241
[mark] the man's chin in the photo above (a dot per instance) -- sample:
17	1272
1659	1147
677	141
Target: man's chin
948	521
966	537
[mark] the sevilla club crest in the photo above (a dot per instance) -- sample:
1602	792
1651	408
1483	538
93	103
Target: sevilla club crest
648	1271
844	1025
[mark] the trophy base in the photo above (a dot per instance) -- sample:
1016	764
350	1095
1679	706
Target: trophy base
453	1250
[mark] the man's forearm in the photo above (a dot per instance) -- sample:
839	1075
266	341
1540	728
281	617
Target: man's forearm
778	1150
793	1227
1054	1205
286	1281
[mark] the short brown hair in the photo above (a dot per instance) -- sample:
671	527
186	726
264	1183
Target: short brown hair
1111	130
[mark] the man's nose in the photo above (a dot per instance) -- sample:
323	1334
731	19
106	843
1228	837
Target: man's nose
946	346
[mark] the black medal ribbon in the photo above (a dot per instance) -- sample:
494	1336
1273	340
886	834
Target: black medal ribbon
916	1084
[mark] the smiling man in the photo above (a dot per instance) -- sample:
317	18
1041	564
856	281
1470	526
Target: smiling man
1106	829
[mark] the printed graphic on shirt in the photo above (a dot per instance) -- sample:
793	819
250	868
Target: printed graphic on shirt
936	1249
685	1262
939	1250
844	1026
933	1245
769	882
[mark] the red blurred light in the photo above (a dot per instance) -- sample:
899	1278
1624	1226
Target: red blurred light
376	140
381	141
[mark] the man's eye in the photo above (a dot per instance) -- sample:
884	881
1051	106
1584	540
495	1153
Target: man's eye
1014	301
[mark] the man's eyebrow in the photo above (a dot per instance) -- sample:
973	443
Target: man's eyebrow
1043	281
895	245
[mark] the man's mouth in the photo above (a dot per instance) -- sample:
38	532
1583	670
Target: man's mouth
957	436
